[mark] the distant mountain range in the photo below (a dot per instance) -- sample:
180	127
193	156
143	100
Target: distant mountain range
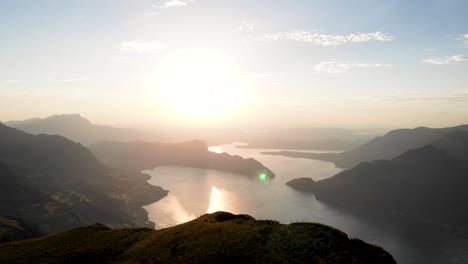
137	156
389	146
215	238
78	129
56	184
324	144
426	183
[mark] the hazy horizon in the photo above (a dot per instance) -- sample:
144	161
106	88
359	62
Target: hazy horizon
375	64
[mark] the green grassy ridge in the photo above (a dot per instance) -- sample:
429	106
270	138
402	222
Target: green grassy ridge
213	238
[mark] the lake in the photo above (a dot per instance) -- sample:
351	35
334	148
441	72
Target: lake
194	192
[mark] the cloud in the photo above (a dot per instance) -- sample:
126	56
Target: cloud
140	46
246	27
12	81
318	39
447	60
464	39
66	80
341	67
173	3
452	97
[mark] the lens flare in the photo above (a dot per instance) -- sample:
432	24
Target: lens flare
263	176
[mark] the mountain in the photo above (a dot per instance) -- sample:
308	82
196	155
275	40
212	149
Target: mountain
425	183
214	238
137	156
455	143
78	129
58	184
389	146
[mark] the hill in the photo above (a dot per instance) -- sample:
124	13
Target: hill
58	184
424	183
389	146
137	156
215	238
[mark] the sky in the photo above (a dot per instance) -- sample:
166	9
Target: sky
352	64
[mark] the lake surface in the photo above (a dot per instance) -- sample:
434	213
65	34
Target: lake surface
194	192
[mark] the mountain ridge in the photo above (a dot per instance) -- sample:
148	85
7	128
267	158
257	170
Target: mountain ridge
388	146
426	183
141	155
57	184
213	238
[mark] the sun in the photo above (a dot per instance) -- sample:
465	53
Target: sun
200	84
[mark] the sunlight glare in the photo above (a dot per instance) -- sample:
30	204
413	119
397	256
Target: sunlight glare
215	149
216	202
200	84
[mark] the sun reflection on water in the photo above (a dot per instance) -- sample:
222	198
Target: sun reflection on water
215	149
169	212
216	202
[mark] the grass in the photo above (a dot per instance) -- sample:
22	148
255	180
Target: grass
215	238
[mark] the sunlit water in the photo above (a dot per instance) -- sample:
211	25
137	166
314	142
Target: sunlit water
194	192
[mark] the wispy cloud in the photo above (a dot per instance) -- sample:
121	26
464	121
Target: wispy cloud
319	39
464	39
246	27
447	60
140	46
448	97
173	3
65	80
12	81
341	67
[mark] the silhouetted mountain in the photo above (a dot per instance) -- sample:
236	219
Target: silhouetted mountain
454	143
215	238
137	156
302	184
425	183
389	146
78	129
58	184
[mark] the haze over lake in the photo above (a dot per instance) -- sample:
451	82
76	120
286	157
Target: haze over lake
193	192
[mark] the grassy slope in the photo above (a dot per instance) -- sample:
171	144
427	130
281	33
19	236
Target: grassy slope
216	238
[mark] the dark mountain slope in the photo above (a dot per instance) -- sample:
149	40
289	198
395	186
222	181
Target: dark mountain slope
216	238
425	183
137	156
58	184
455	143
